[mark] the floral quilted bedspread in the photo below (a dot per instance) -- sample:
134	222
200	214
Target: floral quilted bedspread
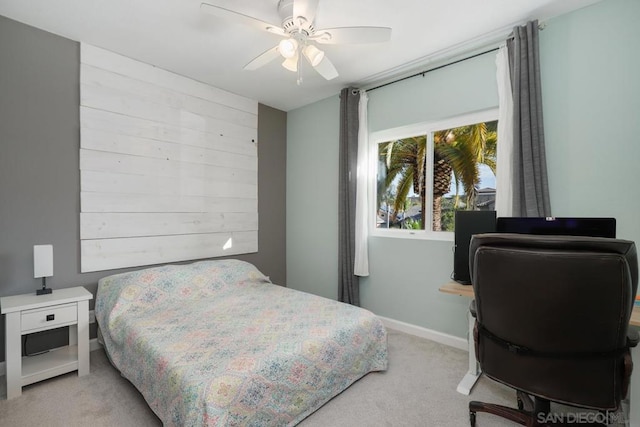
215	343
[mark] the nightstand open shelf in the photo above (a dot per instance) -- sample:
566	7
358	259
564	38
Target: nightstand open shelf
26	314
51	364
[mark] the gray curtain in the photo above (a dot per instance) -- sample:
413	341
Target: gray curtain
530	186
348	288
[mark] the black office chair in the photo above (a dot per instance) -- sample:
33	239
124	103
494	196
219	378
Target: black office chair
552	321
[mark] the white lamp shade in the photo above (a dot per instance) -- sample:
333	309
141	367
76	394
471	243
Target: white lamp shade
313	54
288	48
291	64
42	261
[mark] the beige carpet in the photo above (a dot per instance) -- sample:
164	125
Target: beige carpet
417	390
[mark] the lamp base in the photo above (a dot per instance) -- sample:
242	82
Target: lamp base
44	291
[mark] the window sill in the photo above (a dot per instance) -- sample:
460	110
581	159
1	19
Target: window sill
415	235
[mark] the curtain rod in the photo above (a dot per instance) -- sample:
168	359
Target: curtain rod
422	73
541	27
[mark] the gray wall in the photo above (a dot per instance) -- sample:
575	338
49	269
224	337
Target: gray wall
272	181
39	166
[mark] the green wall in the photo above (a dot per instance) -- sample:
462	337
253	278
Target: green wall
591	105
450	91
591	97
404	274
590	61
312	198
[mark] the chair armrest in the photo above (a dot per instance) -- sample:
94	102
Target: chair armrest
472	309
632	337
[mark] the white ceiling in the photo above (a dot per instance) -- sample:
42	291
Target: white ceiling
177	36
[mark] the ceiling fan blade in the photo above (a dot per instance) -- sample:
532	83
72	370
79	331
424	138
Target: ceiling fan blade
263	59
352	35
241	18
306	8
326	69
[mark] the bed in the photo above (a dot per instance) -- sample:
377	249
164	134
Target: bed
216	343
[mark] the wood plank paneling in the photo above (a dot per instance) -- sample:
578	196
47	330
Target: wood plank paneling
108	182
111	225
168	166
101	58
108	254
118	202
121	102
111	84
113	123
223	167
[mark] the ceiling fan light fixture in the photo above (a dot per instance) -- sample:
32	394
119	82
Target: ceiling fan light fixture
291	64
313	54
288	48
300	37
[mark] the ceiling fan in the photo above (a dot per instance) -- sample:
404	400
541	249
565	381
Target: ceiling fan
300	36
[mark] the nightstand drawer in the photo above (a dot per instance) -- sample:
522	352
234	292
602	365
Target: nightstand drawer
49	317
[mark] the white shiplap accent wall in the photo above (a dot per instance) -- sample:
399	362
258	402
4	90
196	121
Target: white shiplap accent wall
168	166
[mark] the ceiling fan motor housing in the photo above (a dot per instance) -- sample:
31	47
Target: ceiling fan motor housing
290	25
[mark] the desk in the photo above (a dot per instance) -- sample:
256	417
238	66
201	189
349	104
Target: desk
472	375
470	378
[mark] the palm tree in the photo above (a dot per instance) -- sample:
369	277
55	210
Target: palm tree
457	154
465	148
404	159
441	179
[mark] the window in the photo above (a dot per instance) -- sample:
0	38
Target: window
425	172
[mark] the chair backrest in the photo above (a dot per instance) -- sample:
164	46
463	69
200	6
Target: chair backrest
553	313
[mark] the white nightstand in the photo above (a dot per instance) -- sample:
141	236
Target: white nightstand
26	314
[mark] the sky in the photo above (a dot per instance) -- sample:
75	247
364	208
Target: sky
487	180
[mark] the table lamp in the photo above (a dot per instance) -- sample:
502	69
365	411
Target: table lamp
43	266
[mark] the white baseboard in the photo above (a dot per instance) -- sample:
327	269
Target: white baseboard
419	331
94	344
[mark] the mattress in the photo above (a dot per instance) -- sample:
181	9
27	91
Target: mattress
216	343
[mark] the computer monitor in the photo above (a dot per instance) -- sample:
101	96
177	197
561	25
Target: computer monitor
594	227
468	223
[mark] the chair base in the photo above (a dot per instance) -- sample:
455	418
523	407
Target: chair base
530	412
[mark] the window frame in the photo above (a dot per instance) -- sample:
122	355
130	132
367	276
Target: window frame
423	128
